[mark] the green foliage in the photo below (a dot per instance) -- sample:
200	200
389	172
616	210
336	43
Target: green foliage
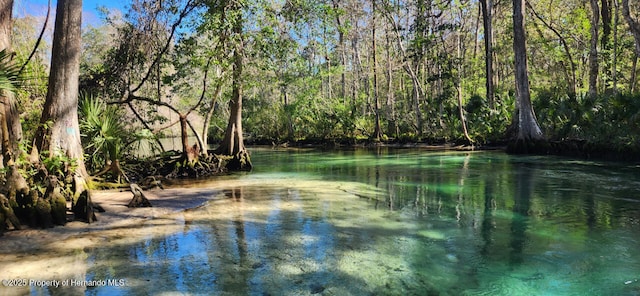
106	136
59	164
488	124
10	79
102	130
612	120
294	69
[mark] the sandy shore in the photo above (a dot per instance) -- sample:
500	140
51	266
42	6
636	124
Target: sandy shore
116	216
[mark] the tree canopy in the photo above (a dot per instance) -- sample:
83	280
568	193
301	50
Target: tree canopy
351	71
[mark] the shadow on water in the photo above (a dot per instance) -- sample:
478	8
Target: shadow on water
393	223
270	241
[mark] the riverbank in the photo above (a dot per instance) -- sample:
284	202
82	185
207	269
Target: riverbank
572	148
116	218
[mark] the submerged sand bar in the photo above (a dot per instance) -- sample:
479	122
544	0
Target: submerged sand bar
56	258
64	256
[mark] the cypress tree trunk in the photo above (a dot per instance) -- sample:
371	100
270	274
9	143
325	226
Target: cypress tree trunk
59	131
60	111
343	57
634	25
528	129
190	153
487	9
233	142
11	128
593	50
377	133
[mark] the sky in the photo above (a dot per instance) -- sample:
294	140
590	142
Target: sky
90	15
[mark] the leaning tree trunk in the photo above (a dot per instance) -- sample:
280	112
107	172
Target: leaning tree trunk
459	90
233	143
208	116
59	132
528	130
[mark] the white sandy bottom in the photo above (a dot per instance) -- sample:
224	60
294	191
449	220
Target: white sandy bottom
258	236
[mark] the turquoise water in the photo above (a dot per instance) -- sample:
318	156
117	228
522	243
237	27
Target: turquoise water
395	222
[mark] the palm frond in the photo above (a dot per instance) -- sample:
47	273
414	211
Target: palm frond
10	78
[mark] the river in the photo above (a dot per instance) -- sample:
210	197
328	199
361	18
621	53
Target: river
392	222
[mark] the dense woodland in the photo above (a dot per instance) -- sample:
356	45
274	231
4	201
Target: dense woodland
81	100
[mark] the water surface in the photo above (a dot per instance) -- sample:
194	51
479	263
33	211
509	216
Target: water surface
393	222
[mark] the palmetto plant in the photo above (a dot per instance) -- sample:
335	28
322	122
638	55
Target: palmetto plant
107	138
10	78
104	134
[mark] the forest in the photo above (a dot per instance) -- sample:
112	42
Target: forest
86	106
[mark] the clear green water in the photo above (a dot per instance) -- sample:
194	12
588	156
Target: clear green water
396	222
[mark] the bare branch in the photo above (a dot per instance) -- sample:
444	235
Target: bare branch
190	6
35	47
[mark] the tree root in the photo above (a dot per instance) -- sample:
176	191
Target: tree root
241	161
8	218
116	171
83	208
139	200
528	146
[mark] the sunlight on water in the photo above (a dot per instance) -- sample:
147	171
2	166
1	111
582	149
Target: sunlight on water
390	223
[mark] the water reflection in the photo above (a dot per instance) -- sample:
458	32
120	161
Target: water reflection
487	214
391	222
521	207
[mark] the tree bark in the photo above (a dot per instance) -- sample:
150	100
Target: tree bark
342	48
605	42
593	49
190	153
60	111
634	73
417	87
460	70
233	142
607	21
634	26
377	133
139	200
391	101
6	25
59	131
487	8
614	66
209	115
11	127
528	128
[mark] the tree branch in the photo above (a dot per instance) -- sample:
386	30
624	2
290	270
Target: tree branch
204	87
35	47
564	45
185	11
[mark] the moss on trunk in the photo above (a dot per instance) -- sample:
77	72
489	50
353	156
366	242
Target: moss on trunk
83	208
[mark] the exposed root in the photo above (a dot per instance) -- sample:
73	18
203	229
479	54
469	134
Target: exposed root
139	200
